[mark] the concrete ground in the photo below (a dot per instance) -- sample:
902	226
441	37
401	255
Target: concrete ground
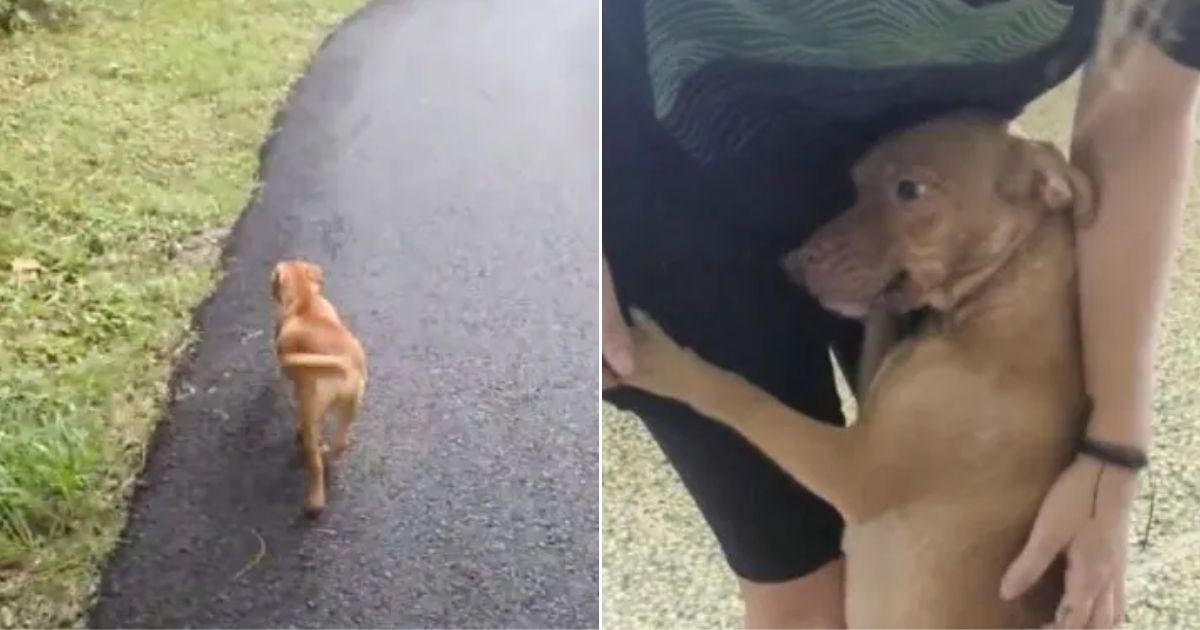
439	159
662	569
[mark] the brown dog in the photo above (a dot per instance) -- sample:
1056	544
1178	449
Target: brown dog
325	363
965	424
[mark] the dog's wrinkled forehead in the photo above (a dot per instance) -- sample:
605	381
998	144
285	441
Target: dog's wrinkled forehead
948	148
285	272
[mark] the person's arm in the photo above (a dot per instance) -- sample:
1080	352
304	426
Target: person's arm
1135	140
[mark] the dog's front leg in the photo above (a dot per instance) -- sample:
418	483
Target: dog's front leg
819	456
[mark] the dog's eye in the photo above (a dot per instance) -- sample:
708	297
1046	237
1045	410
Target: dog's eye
908	190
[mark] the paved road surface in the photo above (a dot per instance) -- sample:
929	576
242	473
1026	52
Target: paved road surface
440	160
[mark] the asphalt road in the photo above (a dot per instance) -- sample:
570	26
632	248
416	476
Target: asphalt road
440	160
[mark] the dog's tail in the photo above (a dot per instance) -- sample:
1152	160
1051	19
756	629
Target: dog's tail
315	361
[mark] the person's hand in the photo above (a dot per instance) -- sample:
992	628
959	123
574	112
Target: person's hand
1086	516
616	345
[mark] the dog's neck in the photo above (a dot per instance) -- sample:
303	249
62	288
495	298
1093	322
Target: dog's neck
1019	298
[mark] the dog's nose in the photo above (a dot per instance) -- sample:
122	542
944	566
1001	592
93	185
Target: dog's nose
793	264
804	257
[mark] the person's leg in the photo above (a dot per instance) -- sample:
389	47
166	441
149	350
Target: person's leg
815	600
697	247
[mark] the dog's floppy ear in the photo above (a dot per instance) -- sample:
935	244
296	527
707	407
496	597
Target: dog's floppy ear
315	274
276	283
1037	171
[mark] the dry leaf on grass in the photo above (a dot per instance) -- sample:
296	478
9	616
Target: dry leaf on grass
24	269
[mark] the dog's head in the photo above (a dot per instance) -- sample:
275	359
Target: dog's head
292	280
940	208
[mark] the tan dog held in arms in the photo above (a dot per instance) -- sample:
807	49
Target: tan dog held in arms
965	425
325	363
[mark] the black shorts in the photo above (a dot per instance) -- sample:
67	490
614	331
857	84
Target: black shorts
697	246
769	527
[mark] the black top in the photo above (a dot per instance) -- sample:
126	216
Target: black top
753	110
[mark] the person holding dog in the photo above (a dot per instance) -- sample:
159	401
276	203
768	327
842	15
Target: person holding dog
729	131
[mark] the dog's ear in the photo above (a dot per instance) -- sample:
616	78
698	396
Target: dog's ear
1036	171
315	274
276	283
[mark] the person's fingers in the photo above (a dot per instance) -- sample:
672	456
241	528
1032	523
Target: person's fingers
1119	601
616	343
642	319
1074	614
1084	585
608	379
1103	613
1043	546
1027	568
618	351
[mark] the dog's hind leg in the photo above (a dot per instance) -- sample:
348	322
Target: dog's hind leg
311	405
347	409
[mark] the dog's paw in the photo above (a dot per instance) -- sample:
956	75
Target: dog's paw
660	365
314	503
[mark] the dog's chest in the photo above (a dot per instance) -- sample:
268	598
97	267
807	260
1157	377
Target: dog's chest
938	416
933	564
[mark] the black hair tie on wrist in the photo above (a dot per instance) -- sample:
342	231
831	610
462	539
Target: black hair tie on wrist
1127	457
1119	455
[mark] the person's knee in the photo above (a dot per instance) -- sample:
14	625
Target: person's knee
816	600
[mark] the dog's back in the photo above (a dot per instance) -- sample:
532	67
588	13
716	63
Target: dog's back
319	332
969	422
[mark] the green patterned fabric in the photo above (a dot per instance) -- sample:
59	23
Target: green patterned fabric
684	35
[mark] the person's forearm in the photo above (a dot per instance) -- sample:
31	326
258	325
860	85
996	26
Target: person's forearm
1138	152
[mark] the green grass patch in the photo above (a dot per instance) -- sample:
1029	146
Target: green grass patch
128	144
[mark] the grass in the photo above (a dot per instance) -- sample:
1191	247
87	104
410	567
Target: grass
662	567
128	145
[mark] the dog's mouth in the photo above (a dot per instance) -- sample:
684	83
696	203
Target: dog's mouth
899	295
